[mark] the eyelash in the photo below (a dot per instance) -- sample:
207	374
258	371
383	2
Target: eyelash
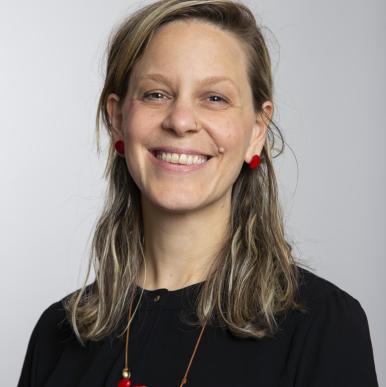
152	93
222	99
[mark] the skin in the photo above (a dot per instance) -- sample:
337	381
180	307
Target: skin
186	214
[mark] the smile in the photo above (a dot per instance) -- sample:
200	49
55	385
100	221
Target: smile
181	158
180	162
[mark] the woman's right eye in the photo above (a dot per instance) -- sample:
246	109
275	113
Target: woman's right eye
154	95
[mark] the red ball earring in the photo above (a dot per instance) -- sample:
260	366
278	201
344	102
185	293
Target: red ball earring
120	147
254	162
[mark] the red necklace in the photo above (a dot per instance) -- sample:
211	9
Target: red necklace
126	375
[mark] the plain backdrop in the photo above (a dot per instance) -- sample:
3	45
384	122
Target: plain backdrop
329	61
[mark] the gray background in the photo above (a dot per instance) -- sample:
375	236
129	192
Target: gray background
329	66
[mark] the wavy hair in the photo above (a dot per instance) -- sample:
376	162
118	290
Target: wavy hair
254	276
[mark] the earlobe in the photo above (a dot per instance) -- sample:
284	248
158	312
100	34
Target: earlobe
259	134
259	131
115	116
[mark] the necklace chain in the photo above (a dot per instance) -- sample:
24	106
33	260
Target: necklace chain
126	373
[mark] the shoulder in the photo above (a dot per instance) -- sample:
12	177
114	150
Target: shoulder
52	318
314	289
328	304
333	335
323	306
53	330
46	344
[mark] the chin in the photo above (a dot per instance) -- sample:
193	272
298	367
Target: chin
177	205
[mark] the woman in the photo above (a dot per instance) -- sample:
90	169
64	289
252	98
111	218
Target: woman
195	283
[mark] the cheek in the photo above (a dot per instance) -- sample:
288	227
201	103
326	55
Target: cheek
232	136
138	125
138	130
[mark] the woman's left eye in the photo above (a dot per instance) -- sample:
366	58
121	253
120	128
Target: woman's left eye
217	98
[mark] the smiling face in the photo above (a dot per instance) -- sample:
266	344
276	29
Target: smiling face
188	93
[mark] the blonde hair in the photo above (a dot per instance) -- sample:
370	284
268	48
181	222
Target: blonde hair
255	276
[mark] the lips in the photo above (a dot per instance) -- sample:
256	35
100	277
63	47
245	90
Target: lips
187	151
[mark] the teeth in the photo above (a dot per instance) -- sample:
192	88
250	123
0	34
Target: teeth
176	158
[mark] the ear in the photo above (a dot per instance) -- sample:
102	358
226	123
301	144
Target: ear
115	115
259	131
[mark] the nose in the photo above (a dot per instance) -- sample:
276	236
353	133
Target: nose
180	118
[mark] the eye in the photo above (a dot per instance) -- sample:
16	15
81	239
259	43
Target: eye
217	98
154	96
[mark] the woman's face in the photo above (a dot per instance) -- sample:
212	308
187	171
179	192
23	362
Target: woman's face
187	120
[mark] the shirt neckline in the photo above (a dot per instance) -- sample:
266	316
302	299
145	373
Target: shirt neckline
169	299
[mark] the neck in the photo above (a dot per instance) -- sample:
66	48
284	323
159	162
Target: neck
180	247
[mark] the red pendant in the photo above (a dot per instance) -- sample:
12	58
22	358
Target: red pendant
126	383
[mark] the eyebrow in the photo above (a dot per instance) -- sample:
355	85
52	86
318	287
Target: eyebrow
206	81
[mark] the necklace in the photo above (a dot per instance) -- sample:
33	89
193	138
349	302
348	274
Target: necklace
126	375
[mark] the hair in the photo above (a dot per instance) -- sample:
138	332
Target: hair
254	276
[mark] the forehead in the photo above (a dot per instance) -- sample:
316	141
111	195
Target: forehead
194	48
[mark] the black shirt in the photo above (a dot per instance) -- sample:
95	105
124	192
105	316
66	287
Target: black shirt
329	346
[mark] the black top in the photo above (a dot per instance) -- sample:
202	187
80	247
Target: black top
329	346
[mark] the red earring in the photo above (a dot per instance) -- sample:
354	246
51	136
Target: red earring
120	147
254	162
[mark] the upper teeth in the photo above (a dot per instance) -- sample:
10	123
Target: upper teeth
181	158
